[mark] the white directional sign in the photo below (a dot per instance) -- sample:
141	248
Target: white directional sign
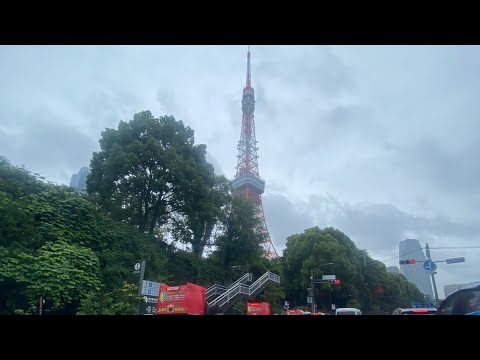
150	288
329	277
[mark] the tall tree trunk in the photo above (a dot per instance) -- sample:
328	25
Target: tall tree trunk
153	221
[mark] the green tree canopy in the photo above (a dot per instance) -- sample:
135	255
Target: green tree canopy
241	241
139	172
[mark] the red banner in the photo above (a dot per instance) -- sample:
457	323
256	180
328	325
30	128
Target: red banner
184	299
258	309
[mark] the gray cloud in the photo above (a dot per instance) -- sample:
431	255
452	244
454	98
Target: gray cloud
215	163
283	219
47	146
316	67
450	170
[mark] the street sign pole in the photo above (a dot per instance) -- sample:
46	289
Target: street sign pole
142	275
313	292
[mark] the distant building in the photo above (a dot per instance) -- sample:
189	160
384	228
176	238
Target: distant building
78	180
393	269
448	289
411	249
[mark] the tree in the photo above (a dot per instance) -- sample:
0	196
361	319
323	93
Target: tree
201	211
60	272
52	238
121	301
241	241
311	251
146	168
18	181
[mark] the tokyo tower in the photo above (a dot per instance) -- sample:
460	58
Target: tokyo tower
247	180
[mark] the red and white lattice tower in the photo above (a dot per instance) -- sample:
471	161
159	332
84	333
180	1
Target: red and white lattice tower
247	180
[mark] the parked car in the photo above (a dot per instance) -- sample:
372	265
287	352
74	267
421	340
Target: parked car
347	311
464	301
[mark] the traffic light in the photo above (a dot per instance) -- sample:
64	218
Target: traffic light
335	282
407	262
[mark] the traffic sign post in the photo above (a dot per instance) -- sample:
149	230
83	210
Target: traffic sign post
429	266
139	268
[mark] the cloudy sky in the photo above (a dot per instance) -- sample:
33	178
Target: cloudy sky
378	141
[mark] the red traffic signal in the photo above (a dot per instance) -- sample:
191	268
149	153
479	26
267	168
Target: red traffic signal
335	282
407	262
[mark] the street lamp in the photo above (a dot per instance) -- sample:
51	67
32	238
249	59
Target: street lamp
312	284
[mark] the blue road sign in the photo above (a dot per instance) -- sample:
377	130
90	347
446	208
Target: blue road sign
429	265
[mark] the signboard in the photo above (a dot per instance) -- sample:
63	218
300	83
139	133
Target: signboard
150	288
429	265
329	277
184	299
333	306
287	305
136	268
309	299
258	309
455	260
149	305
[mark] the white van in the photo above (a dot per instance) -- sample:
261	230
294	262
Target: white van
347	311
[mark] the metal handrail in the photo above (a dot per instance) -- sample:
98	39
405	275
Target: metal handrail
244	289
218	289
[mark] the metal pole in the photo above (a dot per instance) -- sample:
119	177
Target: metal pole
40	309
331	290
142	275
313	292
427	251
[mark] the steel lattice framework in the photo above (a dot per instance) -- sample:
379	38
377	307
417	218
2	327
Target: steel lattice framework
247	180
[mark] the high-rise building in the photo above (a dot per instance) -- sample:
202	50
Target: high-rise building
448	289
411	249
78	180
393	269
247	181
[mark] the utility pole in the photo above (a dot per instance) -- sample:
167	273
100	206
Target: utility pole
427	252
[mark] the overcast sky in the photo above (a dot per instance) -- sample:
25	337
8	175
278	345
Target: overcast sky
378	141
